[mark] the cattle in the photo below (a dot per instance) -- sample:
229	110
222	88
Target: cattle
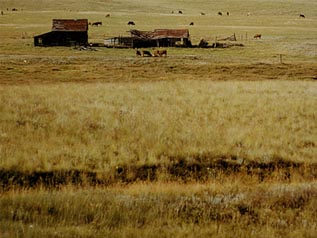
108	15
98	23
146	53
301	15
228	13
220	13
160	53
191	24
257	36
138	53
180	12
202	13
131	23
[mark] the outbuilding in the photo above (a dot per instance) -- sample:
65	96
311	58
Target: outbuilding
65	32
156	38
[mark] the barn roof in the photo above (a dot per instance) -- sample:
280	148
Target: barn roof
70	25
161	33
171	33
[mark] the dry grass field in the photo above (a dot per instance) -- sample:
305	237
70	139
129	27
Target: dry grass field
201	143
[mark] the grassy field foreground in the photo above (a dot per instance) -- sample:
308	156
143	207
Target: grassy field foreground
97	126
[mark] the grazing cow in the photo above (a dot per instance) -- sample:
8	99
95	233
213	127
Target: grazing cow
108	15
180	12
220	13
228	13
257	36
191	24
202	13
138	53
131	23
301	15
160	53
98	23
146	53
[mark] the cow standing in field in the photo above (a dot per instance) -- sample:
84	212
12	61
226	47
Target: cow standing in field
138	53
146	53
191	24
301	15
257	36
98	23
220	13
160	53
131	23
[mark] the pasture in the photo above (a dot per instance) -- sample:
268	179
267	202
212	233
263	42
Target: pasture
201	143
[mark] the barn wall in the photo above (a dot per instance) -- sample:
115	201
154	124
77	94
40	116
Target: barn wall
56	38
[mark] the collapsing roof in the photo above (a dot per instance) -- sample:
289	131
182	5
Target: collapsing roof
161	34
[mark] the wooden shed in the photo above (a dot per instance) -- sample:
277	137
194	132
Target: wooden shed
65	32
156	38
161	38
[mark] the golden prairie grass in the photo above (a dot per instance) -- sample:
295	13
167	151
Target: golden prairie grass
163	210
100	125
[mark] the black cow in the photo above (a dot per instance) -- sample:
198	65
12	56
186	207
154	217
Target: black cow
146	53
301	15
98	23
220	13
131	23
138	53
180	12
191	24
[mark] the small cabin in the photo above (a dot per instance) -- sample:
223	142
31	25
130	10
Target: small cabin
65	32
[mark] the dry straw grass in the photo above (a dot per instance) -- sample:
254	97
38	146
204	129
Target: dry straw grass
95	126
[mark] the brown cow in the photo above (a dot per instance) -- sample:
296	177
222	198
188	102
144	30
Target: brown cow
160	53
257	36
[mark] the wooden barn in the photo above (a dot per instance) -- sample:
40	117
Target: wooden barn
65	32
156	38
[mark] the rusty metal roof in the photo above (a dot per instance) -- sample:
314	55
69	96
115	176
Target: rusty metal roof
161	33
70	25
171	33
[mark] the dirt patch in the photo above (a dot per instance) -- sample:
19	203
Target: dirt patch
200	168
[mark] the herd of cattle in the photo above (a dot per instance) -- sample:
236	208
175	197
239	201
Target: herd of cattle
155	53
132	23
